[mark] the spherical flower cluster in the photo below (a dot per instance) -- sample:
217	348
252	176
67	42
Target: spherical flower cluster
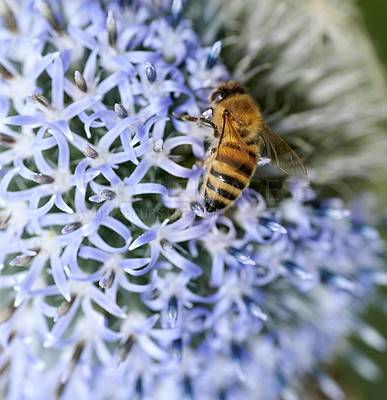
115	282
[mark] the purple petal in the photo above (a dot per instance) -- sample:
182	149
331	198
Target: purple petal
186	265
139	172
126	144
111	81
93	253
64	152
175	169
130	214
42	164
105	302
90	67
195	232
170	144
125	65
62	126
100	243
141	57
132	287
109	137
41	65
217	269
108	117
33	272
63	323
147	325
142	188
134	263
57	84
39	212
80	175
83	37
144	239
152	349
59	276
45	144
106	333
37	119
4	107
81	105
62	205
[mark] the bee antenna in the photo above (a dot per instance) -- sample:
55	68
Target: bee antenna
204	88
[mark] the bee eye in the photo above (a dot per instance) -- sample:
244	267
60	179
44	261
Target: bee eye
217	96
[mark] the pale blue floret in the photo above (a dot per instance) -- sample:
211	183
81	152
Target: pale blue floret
114	281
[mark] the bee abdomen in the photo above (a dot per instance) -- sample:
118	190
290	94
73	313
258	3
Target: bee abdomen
223	188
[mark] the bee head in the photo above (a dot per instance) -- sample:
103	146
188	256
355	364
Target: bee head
225	90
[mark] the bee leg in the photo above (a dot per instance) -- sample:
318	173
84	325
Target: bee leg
201	121
203	163
207	161
209	124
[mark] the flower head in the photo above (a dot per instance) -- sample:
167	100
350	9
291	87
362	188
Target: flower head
114	280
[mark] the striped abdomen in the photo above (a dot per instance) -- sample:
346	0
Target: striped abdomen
228	175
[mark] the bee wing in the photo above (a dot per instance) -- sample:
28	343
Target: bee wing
232	143
275	148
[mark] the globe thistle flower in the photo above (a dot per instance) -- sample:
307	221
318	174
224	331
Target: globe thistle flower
115	282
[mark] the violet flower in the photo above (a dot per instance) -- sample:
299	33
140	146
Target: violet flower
114	280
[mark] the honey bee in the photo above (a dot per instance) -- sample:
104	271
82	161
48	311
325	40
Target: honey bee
243	139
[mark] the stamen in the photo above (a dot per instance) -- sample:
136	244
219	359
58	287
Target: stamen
236	355
7	312
107	279
47	13
108	194
272	225
172	311
158	146
39	98
197	208
4	221
296	270
42	179
71	366
207	114
7	139
138	389
64	308
263	161
120	110
331	213
241	256
337	280
21	261
167	246
8	17
150	71
70	228
221	394
90	152
214	54
80	81
254	308
5	73
177	349
187	387
111	27
176	11
124	349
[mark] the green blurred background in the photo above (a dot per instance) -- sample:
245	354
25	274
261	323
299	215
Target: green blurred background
375	18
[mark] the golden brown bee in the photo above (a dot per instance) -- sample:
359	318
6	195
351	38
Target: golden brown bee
243	139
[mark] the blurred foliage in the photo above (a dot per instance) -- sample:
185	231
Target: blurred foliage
374	14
